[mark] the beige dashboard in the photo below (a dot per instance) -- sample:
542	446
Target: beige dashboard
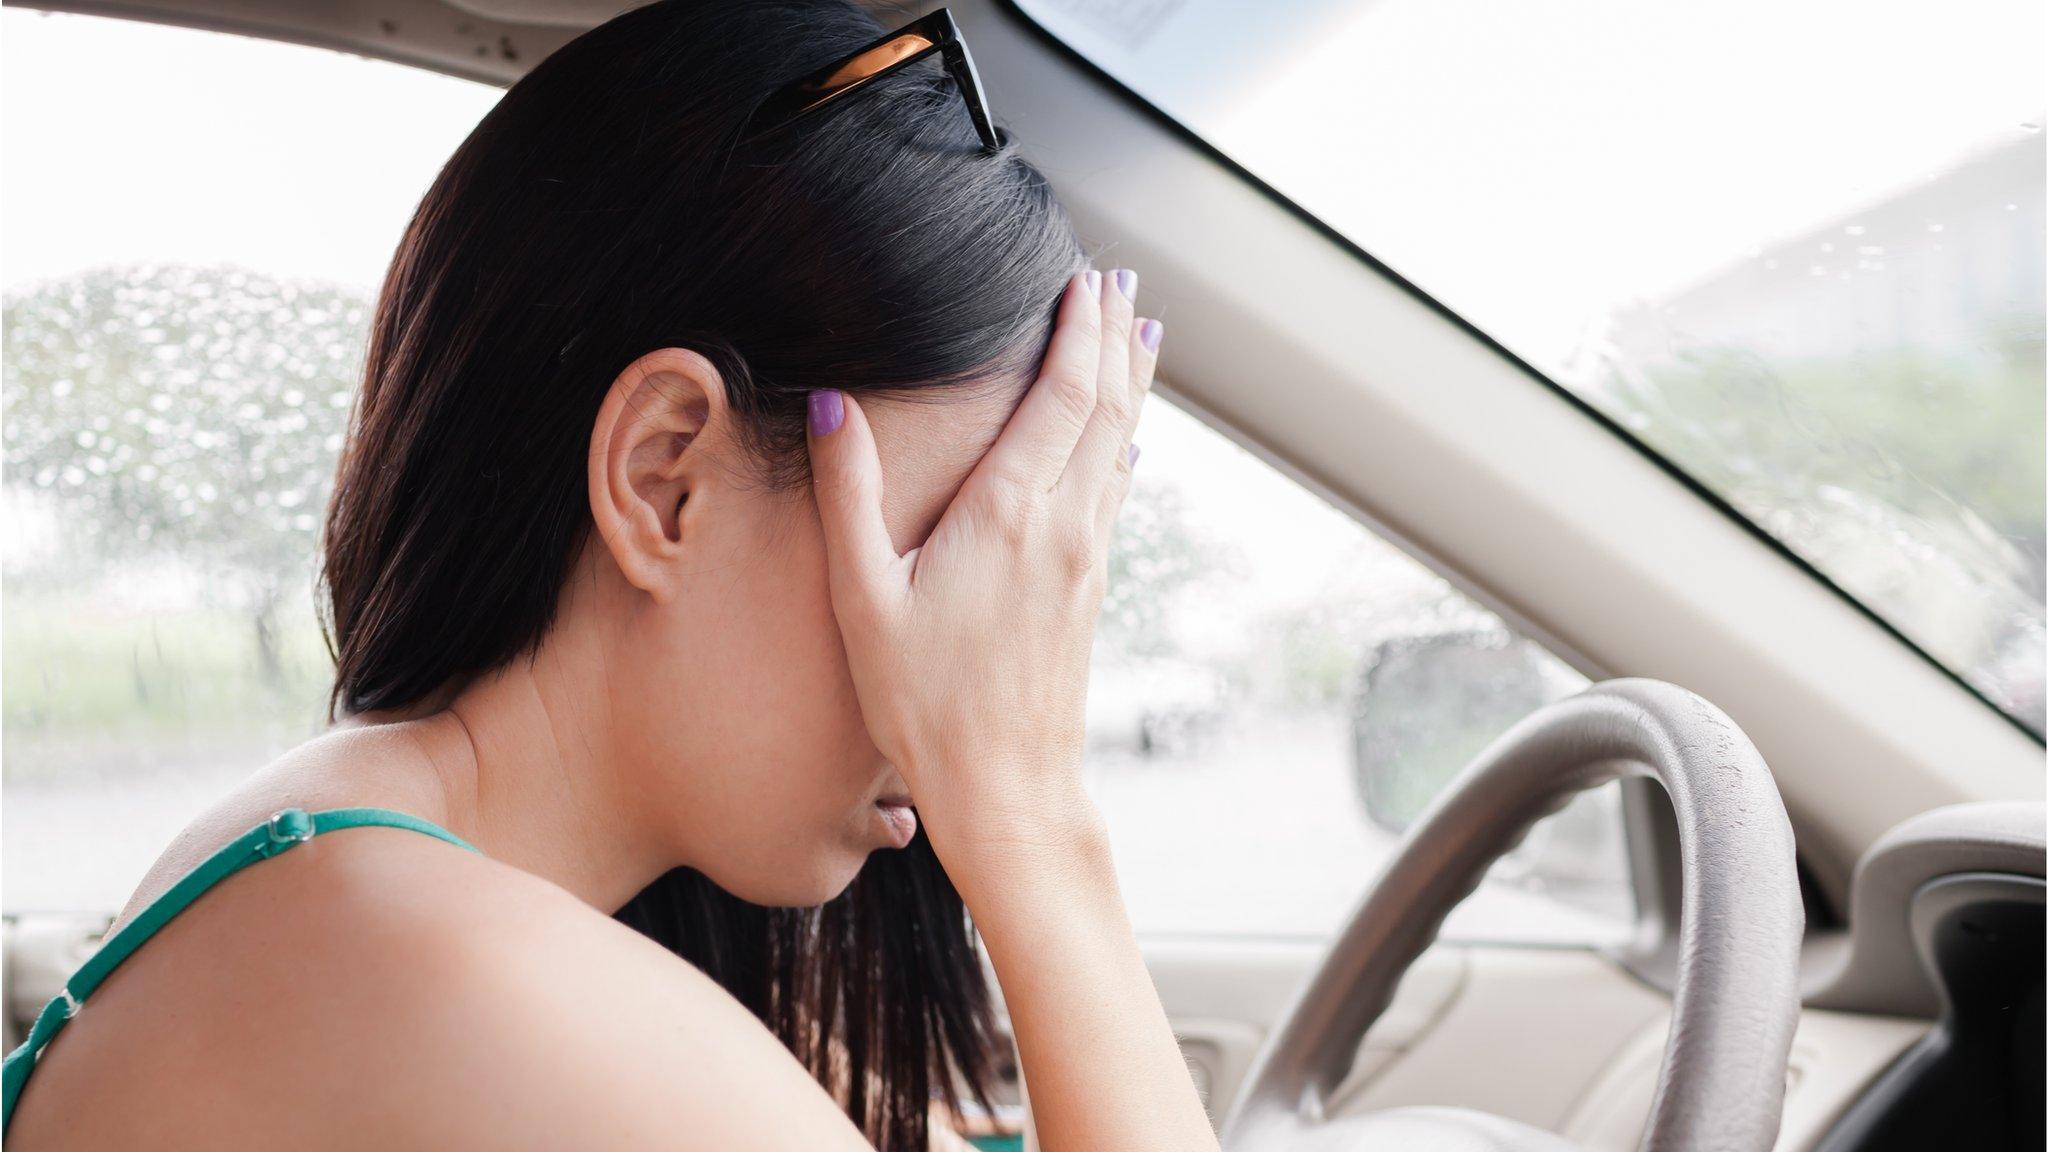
1569	1042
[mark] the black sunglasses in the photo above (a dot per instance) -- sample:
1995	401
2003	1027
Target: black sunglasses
933	32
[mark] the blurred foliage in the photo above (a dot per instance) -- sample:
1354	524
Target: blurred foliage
1156	556
195	413
1914	481
1935	437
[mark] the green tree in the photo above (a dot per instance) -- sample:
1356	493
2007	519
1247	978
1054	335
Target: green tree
1914	480
1943	438
186	412
1156	555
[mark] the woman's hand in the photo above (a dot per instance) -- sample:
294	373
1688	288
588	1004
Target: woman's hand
970	654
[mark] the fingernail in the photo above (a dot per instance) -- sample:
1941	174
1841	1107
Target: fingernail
1134	454
1127	283
828	411
1093	279
1150	332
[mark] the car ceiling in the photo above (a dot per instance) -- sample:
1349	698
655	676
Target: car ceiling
494	41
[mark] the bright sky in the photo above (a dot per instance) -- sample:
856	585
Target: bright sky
1532	163
127	141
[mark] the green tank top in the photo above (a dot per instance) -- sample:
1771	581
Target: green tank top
283	831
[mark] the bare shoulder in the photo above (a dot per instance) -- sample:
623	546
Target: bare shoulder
376	987
532	1020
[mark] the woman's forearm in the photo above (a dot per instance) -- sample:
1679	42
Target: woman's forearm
1097	1051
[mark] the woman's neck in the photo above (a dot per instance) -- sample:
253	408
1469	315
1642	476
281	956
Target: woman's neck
521	765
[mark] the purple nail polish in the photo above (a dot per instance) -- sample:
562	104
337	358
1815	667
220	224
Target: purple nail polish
828	411
1127	283
1134	454
1150	332
1093	279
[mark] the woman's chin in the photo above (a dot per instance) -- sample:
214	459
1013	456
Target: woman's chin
830	867
806	884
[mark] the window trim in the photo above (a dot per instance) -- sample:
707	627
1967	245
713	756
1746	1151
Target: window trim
1188	136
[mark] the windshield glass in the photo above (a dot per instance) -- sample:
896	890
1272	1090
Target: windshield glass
1796	249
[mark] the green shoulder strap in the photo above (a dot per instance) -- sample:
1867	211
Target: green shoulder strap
285	830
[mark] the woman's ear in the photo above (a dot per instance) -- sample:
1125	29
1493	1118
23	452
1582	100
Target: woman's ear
642	468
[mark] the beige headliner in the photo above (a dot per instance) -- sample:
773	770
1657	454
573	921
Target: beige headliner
1342	378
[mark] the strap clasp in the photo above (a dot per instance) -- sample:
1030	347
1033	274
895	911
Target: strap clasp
289	826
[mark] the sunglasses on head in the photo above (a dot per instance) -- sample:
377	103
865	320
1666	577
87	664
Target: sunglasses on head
933	32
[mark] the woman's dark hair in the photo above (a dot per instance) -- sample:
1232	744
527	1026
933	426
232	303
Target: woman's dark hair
603	210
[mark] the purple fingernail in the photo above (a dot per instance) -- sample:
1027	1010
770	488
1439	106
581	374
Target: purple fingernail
1127	283
1093	279
828	411
1150	332
1134	454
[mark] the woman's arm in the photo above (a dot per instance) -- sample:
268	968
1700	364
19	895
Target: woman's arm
1097	1051
970	657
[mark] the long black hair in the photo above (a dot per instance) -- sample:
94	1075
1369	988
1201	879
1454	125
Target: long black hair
605	208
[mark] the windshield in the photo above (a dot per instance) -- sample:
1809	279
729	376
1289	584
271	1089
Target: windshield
1795	249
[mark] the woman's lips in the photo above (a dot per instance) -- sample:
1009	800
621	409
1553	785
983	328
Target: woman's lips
898	818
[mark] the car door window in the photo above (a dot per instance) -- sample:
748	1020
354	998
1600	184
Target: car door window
196	225
1277	692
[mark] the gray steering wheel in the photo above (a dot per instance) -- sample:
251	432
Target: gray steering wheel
1722	1081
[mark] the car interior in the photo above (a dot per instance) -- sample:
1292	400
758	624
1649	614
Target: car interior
1912	839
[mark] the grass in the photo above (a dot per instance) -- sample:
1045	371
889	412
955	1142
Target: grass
80	680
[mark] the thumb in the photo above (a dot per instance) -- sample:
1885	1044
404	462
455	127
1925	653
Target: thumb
846	475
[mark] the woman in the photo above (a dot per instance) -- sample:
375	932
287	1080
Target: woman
715	553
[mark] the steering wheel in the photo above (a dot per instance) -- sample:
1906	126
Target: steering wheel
1722	1081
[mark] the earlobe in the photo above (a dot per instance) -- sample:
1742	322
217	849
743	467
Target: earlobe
646	454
